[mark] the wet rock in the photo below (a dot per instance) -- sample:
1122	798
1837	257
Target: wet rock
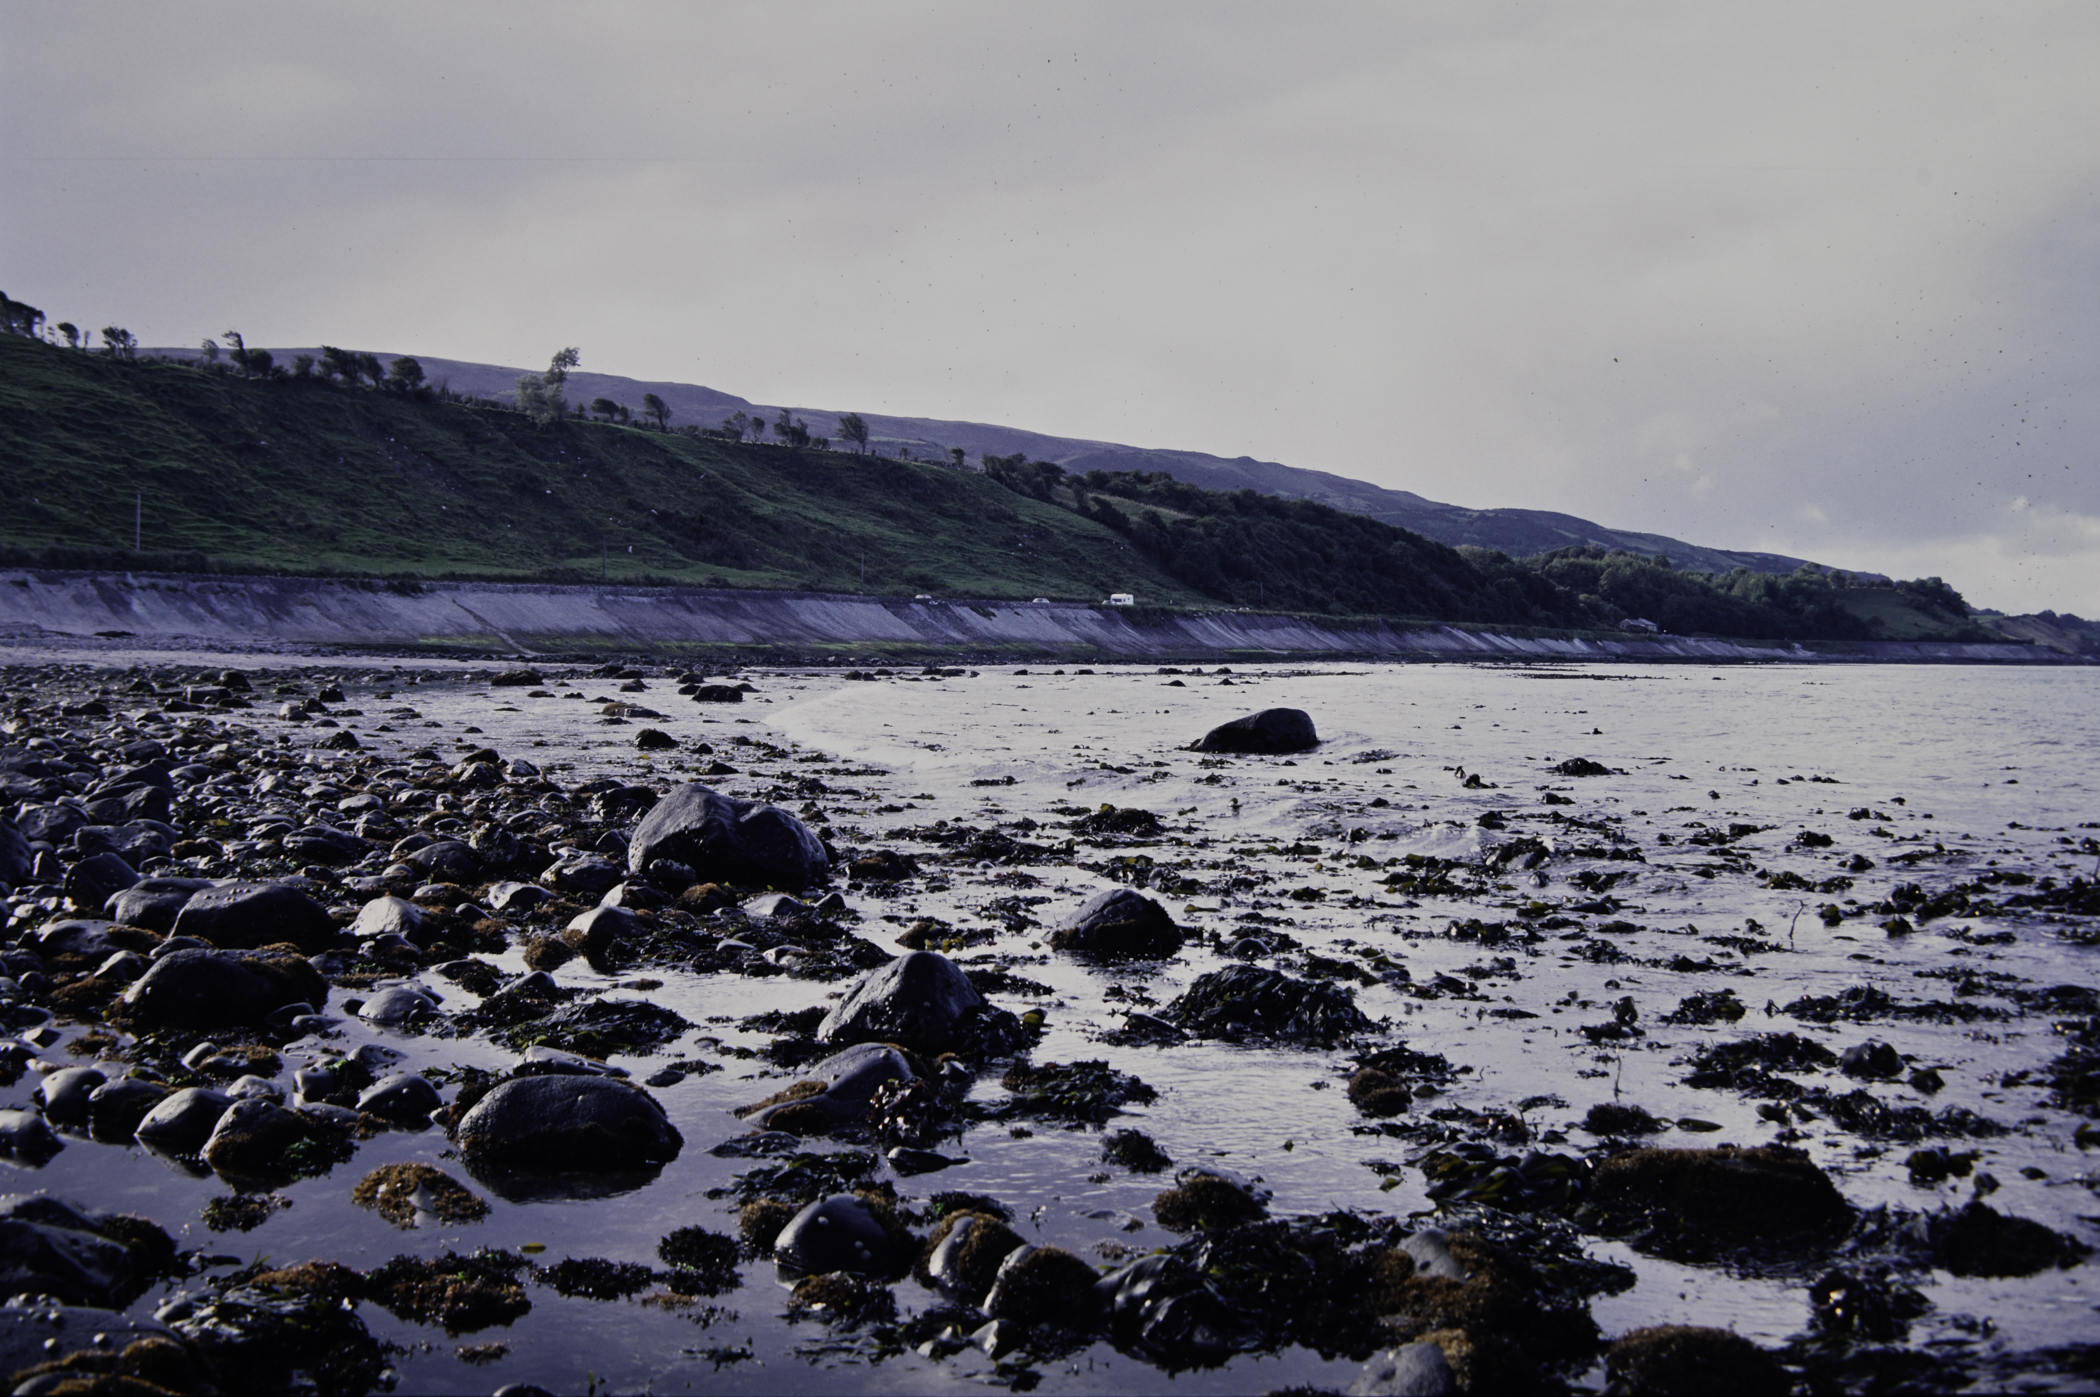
546	1124
599	1028
588	875
514	899
841	1233
51	1247
725	840
93	881
1118	924
1873	1060
836	1092
244	916
1044	1286
325	845
1271	731
398	1007
400	1096
1412	1370
80	1349
64	1094
257	1140
1978	1240
400	1192
447	861
387	916
182	1121
1699	1202
116	1109
924	1002
598	931
1379	1093
1082	1093
1679	1358
1160	1309
1619	1118
26	1137
287	1331
1250	1001
966	1253
16	857
153	903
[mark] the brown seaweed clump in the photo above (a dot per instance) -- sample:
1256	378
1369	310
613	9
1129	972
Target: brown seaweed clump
462	1293
1378	1093
397	1192
1675	1358
1206	1203
1698	1202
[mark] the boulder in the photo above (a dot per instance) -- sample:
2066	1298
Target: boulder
839	1233
849	1080
400	1096
205	990
89	938
63	1095
588	874
447	861
134	843
555	1123
323	844
48	824
27	1137
1768	1198
387	916
49	1247
1670	1358
243	916
183	1120
116	1108
252	1139
1120	924
1271	731
600	929
1873	1059
93	881
924	1002
396	1006
16	857
724	840
153	903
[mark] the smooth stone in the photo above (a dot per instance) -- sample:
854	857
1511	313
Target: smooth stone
565	1122
64	1094
725	840
197	989
243	916
402	1096
397	1005
116	1108
154	903
838	1233
27	1136
93	881
919	999
1432	1255
1118	924
1271	731
387	916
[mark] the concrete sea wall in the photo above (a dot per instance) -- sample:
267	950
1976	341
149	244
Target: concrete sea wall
534	618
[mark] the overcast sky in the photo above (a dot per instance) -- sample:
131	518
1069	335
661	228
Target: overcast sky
1817	279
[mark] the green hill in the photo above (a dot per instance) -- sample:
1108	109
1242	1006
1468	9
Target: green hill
302	474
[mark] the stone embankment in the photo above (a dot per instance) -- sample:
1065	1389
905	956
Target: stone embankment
543	618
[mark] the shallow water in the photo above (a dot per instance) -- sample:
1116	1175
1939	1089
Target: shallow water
1989	764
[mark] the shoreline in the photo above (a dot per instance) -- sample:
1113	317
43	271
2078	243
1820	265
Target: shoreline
95	611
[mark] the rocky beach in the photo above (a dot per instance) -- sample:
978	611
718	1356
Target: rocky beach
393	1023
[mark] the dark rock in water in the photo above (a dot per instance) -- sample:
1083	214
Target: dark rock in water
1978	1240
1617	1118
717	693
924	1002
847	1081
840	1233
397	1006
194	989
1270	731
259	1140
724	840
1203	1202
1160	1309
1697	1202
129	1350
25	1136
447	861
1668	1359
94	880
1086	1093
64	1094
1873	1059
1044	1285
400	1096
1118	924
516	678
1249	1000
288	1331
588	874
1134	1150
967	1250
600	1027
115	1109
51	1247
1376	1092
323	844
16	857
184	1120
154	902
654	740
599	930
243	916
566	1123
387	916
1582	766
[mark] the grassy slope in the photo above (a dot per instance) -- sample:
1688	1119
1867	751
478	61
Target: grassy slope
304	477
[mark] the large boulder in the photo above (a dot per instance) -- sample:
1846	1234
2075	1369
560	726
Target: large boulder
447	861
51	1247
924	1002
94	880
566	1123
840	1233
1120	924
154	903
1268	732
16	857
206	990
184	1120
243	916
724	840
